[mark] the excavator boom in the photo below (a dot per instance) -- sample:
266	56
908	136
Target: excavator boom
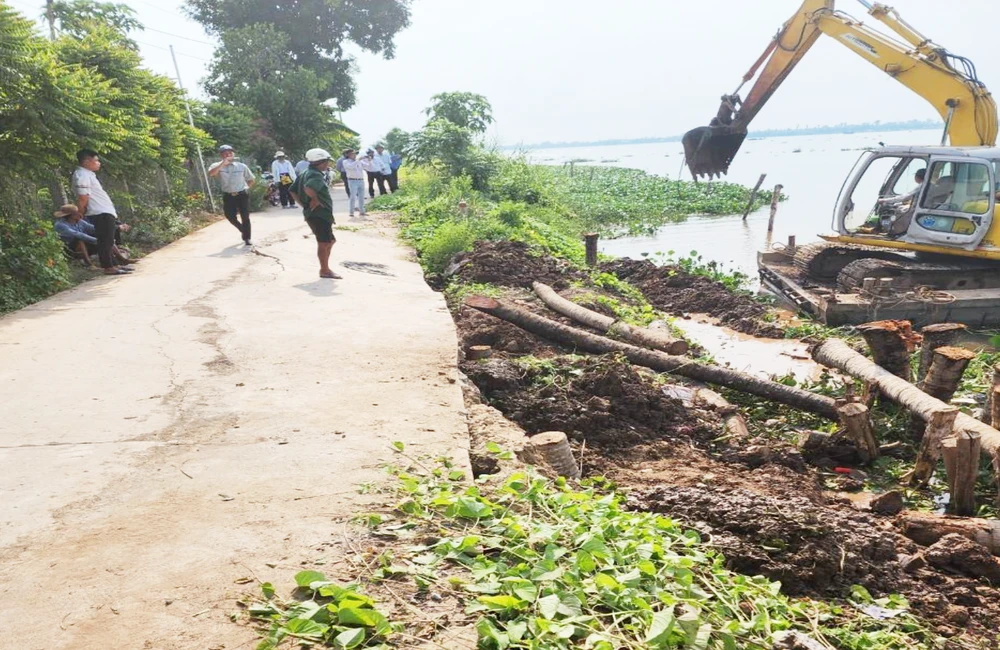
947	82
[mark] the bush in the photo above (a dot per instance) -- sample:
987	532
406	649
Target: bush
153	227
32	263
258	196
447	241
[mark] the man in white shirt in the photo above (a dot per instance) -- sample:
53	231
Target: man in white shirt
235	181
377	173
384	159
355	169
284	175
96	205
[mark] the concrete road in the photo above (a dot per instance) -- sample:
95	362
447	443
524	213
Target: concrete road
167	435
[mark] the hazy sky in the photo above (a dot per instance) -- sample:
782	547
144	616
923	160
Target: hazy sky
588	69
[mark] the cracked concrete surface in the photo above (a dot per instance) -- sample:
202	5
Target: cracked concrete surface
133	408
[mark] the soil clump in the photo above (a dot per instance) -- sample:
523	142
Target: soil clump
673	290
511	264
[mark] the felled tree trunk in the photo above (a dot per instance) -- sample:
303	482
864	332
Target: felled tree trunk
936	336
657	360
941	381
638	335
925	528
837	354
891	342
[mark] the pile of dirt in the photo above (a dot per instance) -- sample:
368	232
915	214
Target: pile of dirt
511	264
476	328
603	400
821	550
675	291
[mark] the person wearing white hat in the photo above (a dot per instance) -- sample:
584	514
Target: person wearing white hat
284	175
312	192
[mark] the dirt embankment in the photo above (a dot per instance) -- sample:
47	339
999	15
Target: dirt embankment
764	507
675	291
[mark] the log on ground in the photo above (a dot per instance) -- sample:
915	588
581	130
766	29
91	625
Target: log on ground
925	528
661	361
835	353
638	335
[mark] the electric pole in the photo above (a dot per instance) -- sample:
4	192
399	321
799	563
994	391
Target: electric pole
201	159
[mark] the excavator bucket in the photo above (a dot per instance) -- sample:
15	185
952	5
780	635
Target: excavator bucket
708	150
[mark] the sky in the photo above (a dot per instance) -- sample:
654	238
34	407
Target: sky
571	70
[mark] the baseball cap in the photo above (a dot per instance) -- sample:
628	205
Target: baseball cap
225	147
317	155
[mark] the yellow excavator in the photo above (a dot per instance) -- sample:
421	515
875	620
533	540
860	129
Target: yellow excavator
915	231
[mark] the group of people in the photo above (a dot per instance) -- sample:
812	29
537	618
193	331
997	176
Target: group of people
91	226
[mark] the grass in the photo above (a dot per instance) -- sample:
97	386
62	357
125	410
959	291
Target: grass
541	565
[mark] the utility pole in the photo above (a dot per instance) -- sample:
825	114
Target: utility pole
201	158
51	17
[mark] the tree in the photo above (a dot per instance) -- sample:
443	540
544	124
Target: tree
396	140
77	17
313	34
467	110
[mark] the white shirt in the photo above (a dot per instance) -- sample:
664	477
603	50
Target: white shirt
279	167
383	159
86	183
355	169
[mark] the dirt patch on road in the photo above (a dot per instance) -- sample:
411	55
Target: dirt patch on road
675	291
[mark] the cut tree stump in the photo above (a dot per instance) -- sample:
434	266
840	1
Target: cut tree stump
891	342
656	339
992	411
936	336
590	248
552	448
941	381
835	353
477	352
961	460
925	528
940	427
661	361
858	428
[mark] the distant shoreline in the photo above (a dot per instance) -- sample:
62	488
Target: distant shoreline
870	127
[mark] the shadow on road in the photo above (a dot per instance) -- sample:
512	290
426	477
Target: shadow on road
320	288
231	251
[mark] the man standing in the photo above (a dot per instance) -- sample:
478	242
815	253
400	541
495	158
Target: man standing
375	173
343	174
94	202
395	162
284	175
385	162
301	166
355	170
235	181
312	192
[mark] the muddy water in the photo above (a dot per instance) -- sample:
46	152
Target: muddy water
811	168
762	357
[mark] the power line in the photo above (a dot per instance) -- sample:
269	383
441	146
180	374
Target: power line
186	38
167	49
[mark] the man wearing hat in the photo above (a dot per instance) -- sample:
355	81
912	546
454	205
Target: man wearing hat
355	169
235	181
80	236
284	175
313	193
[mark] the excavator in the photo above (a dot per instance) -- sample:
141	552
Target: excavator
916	228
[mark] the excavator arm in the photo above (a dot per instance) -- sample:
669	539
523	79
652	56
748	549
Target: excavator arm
946	81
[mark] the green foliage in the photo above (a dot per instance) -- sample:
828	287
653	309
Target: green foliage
694	264
616	201
449	239
77	18
396	140
86	89
456	292
465	110
545	566
327	613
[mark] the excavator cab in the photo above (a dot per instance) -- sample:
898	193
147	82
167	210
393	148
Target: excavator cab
921	195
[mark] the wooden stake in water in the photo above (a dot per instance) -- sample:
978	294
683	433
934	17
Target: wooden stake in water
753	195
774	206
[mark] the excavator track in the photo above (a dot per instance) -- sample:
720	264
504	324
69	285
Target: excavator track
909	273
823	261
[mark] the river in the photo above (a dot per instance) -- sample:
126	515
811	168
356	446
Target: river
812	169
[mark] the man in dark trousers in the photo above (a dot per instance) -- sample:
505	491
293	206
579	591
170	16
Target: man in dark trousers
313	193
94	202
235	181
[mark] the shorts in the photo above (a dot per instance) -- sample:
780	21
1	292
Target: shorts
322	228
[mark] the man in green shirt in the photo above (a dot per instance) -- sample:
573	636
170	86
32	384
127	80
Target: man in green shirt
311	192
